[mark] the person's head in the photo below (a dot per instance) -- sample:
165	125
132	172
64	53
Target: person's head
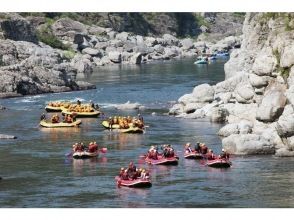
131	164
122	169
223	150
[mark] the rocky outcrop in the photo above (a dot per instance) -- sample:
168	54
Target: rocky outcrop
17	28
29	69
257	95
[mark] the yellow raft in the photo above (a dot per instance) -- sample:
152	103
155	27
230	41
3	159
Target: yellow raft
81	114
132	129
46	124
49	108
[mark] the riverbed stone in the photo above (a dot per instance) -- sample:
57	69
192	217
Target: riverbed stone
203	93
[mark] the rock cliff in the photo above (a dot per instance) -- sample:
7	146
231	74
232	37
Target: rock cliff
256	99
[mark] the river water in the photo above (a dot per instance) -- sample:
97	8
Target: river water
36	172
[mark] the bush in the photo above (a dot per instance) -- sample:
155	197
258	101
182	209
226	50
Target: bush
46	36
69	54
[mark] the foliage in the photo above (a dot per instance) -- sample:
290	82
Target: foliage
46	36
69	54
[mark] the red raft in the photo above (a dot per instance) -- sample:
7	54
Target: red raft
163	160
193	155
138	183
219	163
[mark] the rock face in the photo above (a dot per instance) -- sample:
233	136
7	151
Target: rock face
29	69
257	95
18	29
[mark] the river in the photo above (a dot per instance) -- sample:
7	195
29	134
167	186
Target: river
36	172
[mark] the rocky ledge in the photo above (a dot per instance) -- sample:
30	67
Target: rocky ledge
257	96
28	67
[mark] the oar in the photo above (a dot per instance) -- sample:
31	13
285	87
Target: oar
69	154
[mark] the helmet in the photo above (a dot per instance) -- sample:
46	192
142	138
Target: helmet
223	150
122	168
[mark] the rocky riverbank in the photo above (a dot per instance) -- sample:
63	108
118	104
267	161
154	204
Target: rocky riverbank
41	55
257	96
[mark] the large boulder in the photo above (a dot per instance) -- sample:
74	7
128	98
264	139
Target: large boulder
115	56
203	93
82	41
170	39
258	81
272	106
244	93
230	84
187	44
290	95
172	52
136	58
285	124
218	114
264	63
123	36
68	27
229	129
18	29
287	56
247	144
92	52
150	41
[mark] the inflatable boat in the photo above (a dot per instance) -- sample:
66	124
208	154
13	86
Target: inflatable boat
193	155
163	160
116	127
219	163
139	182
46	124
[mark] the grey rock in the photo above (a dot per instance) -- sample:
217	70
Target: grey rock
136	58
248	144
66	27
258	81
187	44
18	29
92	52
159	49
290	95
285	124
265	62
287	56
123	36
176	109
229	129
244	93
114	56
150	41
171	40
203	93
218	114
272	106
139	40
102	45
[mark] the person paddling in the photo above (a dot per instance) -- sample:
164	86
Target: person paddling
43	117
224	155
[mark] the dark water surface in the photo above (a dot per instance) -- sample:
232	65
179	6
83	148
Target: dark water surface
37	174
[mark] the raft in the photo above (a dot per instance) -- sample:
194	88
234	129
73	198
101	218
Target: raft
53	109
46	124
138	183
163	160
85	154
81	114
116	127
193	155
219	163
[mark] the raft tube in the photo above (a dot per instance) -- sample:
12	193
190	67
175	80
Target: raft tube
105	124
85	154
193	155
163	160
219	163
81	114
46	124
138	183
53	109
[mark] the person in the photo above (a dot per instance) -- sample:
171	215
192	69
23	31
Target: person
131	170
140	117
203	148
79	102
55	119
97	107
143	174
121	172
110	121
224	155
188	148
210	155
92	104
197	147
93	147
75	147
125	175
43	117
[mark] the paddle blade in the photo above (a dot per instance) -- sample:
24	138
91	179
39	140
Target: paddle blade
68	154
103	150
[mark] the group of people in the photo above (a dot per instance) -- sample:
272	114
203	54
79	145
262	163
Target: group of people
132	173
81	147
207	153
59	104
56	119
167	151
126	122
